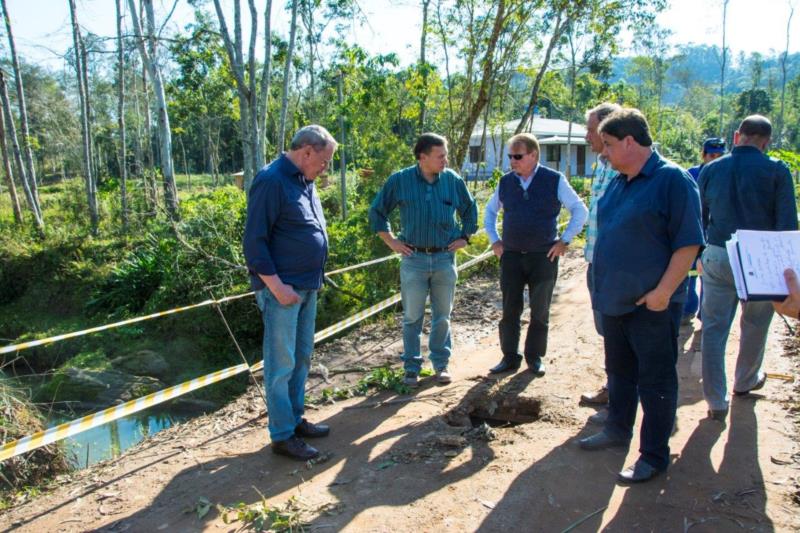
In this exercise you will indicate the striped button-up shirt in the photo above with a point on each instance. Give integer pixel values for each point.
(427, 210)
(603, 175)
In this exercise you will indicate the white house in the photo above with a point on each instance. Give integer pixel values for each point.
(553, 135)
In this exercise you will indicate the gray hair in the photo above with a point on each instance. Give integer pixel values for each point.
(313, 135)
(601, 111)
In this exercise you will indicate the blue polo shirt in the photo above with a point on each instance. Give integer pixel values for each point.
(285, 229)
(641, 223)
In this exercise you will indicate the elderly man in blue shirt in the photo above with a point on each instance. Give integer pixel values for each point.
(285, 247)
(744, 190)
(650, 234)
(531, 196)
(429, 197)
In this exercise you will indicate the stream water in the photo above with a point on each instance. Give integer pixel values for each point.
(110, 440)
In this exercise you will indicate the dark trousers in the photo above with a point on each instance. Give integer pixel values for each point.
(641, 353)
(536, 272)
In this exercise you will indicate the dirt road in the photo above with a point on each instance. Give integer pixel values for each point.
(415, 463)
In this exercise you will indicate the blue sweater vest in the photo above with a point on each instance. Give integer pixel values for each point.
(529, 225)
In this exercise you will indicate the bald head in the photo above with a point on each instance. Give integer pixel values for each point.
(755, 130)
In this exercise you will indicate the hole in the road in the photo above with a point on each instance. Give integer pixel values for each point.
(496, 410)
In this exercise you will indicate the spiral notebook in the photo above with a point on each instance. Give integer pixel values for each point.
(758, 259)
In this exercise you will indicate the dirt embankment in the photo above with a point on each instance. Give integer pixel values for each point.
(427, 462)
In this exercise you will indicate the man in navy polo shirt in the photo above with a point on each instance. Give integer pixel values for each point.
(650, 234)
(744, 190)
(286, 246)
(429, 196)
(531, 197)
(713, 148)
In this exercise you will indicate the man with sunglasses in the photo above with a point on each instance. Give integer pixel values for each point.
(531, 197)
(713, 148)
(429, 196)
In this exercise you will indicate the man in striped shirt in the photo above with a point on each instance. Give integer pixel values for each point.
(603, 174)
(429, 196)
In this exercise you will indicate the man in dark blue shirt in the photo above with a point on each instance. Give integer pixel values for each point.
(713, 148)
(285, 246)
(743, 190)
(649, 220)
(429, 196)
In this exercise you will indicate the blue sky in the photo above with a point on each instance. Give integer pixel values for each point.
(42, 31)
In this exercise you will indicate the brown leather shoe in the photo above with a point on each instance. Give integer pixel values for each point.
(599, 397)
(311, 431)
(295, 448)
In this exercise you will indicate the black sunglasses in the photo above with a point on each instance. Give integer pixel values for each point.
(516, 156)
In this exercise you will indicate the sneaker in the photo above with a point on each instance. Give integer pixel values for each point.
(411, 379)
(599, 397)
(443, 376)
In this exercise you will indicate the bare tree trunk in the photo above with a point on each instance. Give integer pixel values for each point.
(307, 16)
(12, 131)
(12, 189)
(148, 52)
(783, 78)
(123, 166)
(287, 71)
(423, 65)
(342, 157)
(91, 191)
(722, 70)
(23, 110)
(266, 79)
(558, 29)
(444, 34)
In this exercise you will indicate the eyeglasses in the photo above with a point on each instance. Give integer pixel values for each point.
(516, 157)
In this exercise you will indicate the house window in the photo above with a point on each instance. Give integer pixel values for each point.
(476, 154)
(554, 153)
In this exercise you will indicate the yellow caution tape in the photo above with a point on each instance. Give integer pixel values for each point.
(67, 429)
(55, 338)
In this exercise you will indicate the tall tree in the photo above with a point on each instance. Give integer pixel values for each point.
(80, 66)
(722, 69)
(423, 65)
(12, 189)
(287, 72)
(123, 160)
(148, 50)
(246, 83)
(23, 110)
(33, 202)
(784, 58)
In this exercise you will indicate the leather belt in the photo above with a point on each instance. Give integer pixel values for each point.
(426, 250)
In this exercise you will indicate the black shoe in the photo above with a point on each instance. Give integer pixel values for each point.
(718, 414)
(295, 448)
(601, 441)
(506, 365)
(537, 367)
(758, 385)
(311, 431)
(639, 472)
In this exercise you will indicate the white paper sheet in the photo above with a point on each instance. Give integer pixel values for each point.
(762, 257)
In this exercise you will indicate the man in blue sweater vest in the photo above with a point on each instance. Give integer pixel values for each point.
(531, 197)
(285, 247)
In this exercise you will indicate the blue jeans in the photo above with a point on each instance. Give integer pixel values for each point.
(718, 309)
(422, 274)
(641, 353)
(288, 343)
